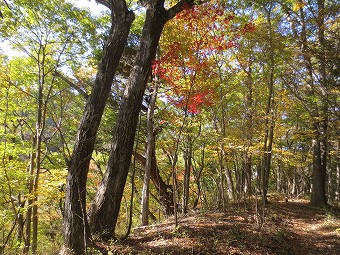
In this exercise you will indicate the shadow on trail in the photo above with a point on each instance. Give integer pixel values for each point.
(292, 228)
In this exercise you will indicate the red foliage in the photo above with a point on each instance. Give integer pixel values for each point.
(249, 27)
(195, 102)
(185, 68)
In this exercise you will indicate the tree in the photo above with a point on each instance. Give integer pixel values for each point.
(247, 105)
(1, 15)
(76, 229)
(106, 205)
(186, 63)
(308, 24)
(41, 32)
(150, 148)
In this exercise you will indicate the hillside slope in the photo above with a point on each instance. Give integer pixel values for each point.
(290, 228)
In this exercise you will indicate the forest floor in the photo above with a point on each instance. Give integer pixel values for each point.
(289, 228)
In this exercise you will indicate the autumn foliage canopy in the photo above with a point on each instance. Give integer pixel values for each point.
(189, 44)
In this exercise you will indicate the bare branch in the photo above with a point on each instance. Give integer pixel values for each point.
(7, 4)
(1, 15)
(73, 85)
(22, 90)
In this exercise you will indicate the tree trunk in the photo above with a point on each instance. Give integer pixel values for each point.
(197, 175)
(279, 177)
(269, 122)
(249, 132)
(318, 196)
(161, 186)
(21, 222)
(220, 185)
(29, 204)
(268, 143)
(35, 192)
(230, 182)
(150, 148)
(187, 170)
(248, 174)
(75, 222)
(105, 208)
(40, 125)
(337, 192)
(35, 163)
(320, 144)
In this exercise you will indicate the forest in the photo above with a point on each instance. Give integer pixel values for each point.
(120, 117)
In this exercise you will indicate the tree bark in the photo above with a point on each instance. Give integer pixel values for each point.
(161, 186)
(230, 183)
(248, 158)
(320, 199)
(220, 185)
(29, 203)
(75, 222)
(320, 125)
(337, 181)
(197, 175)
(35, 162)
(150, 148)
(105, 208)
(187, 171)
(318, 196)
(270, 111)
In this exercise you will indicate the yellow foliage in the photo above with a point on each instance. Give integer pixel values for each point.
(297, 5)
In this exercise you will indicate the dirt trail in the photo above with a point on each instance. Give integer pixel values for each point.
(290, 228)
(318, 229)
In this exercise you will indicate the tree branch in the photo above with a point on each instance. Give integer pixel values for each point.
(1, 15)
(172, 12)
(106, 3)
(73, 85)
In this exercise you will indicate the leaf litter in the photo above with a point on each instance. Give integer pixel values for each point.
(291, 228)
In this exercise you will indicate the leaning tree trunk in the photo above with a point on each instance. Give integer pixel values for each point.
(106, 205)
(75, 221)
